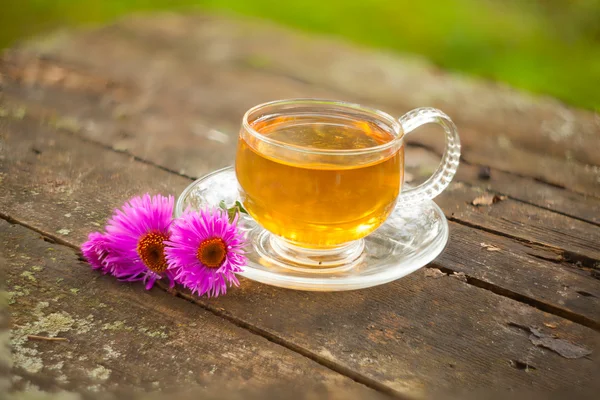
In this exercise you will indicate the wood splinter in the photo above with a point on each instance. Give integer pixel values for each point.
(50, 339)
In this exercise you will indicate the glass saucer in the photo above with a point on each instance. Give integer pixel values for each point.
(412, 237)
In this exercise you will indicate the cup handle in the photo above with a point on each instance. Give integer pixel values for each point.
(449, 164)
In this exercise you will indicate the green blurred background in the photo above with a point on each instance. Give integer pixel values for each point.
(544, 46)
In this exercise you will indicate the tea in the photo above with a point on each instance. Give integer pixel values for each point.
(313, 201)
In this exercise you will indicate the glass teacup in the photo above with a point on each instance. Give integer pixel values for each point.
(320, 175)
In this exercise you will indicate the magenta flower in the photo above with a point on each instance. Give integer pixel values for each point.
(205, 251)
(137, 236)
(96, 251)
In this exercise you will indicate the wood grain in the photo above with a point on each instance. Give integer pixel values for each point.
(537, 275)
(193, 149)
(565, 140)
(123, 339)
(30, 140)
(209, 101)
(523, 221)
(531, 191)
(541, 125)
(416, 336)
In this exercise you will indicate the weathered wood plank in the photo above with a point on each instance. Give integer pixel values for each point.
(204, 98)
(507, 157)
(415, 336)
(539, 124)
(56, 178)
(193, 147)
(498, 119)
(523, 221)
(585, 208)
(193, 88)
(209, 141)
(120, 338)
(521, 269)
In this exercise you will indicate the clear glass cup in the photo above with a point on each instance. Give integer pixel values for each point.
(320, 175)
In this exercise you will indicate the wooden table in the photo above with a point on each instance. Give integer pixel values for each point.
(91, 118)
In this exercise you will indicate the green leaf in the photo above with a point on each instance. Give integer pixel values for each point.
(241, 207)
(232, 211)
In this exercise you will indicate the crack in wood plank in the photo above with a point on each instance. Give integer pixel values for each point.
(574, 259)
(540, 305)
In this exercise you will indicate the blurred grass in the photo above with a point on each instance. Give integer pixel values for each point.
(544, 46)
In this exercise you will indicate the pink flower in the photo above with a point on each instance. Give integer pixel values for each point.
(96, 250)
(205, 251)
(136, 235)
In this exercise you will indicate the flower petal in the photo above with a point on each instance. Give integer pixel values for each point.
(187, 233)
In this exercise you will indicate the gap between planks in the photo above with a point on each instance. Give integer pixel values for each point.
(472, 185)
(540, 305)
(569, 256)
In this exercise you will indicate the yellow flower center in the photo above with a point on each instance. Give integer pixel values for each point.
(152, 251)
(212, 252)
